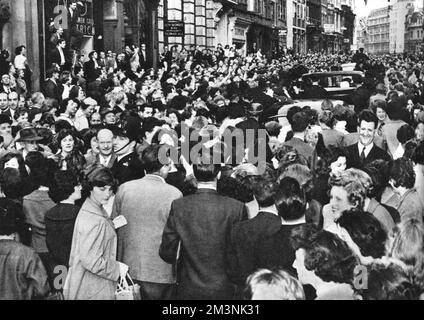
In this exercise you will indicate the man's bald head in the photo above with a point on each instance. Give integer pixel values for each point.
(105, 140)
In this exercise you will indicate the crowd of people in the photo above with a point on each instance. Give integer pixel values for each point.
(95, 178)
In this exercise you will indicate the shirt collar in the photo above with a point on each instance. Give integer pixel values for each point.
(367, 148)
(294, 222)
(156, 176)
(206, 186)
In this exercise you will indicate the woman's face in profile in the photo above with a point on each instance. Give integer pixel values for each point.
(304, 275)
(339, 201)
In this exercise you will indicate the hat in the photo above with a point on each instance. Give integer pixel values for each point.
(131, 130)
(5, 119)
(255, 109)
(29, 134)
(106, 111)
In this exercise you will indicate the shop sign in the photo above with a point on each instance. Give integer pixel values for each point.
(174, 29)
(58, 11)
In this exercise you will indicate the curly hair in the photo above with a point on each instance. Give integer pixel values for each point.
(63, 185)
(331, 258)
(286, 156)
(402, 173)
(366, 231)
(356, 192)
(408, 246)
(290, 199)
(388, 282)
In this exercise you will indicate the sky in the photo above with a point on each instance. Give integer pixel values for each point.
(362, 10)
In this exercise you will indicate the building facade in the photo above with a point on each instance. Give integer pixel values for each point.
(314, 29)
(330, 25)
(102, 24)
(398, 13)
(247, 24)
(414, 32)
(296, 25)
(377, 40)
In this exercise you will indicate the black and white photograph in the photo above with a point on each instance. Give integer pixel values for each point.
(205, 156)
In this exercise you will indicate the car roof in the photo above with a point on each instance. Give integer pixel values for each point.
(335, 73)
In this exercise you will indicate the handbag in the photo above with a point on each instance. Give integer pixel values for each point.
(127, 290)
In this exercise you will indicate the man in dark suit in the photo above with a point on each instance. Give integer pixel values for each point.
(143, 56)
(365, 151)
(200, 226)
(246, 234)
(75, 36)
(58, 55)
(315, 90)
(91, 67)
(51, 87)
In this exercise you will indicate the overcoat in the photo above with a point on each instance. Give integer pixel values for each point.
(93, 269)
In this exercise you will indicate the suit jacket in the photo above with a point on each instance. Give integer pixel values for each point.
(332, 137)
(52, 90)
(128, 168)
(145, 204)
(354, 158)
(202, 223)
(93, 162)
(55, 57)
(243, 237)
(90, 71)
(302, 148)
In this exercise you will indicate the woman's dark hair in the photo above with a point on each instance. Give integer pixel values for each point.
(395, 109)
(87, 136)
(326, 254)
(330, 155)
(388, 282)
(236, 188)
(405, 133)
(418, 155)
(264, 191)
(41, 169)
(63, 185)
(290, 199)
(19, 50)
(403, 174)
(63, 134)
(100, 178)
(48, 119)
(11, 183)
(378, 104)
(366, 231)
(150, 158)
(174, 111)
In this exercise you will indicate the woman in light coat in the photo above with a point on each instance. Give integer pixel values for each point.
(93, 269)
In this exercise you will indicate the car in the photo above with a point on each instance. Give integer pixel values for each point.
(314, 104)
(338, 84)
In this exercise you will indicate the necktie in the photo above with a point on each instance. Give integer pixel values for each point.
(363, 157)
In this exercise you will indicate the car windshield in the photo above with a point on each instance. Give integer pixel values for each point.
(334, 81)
